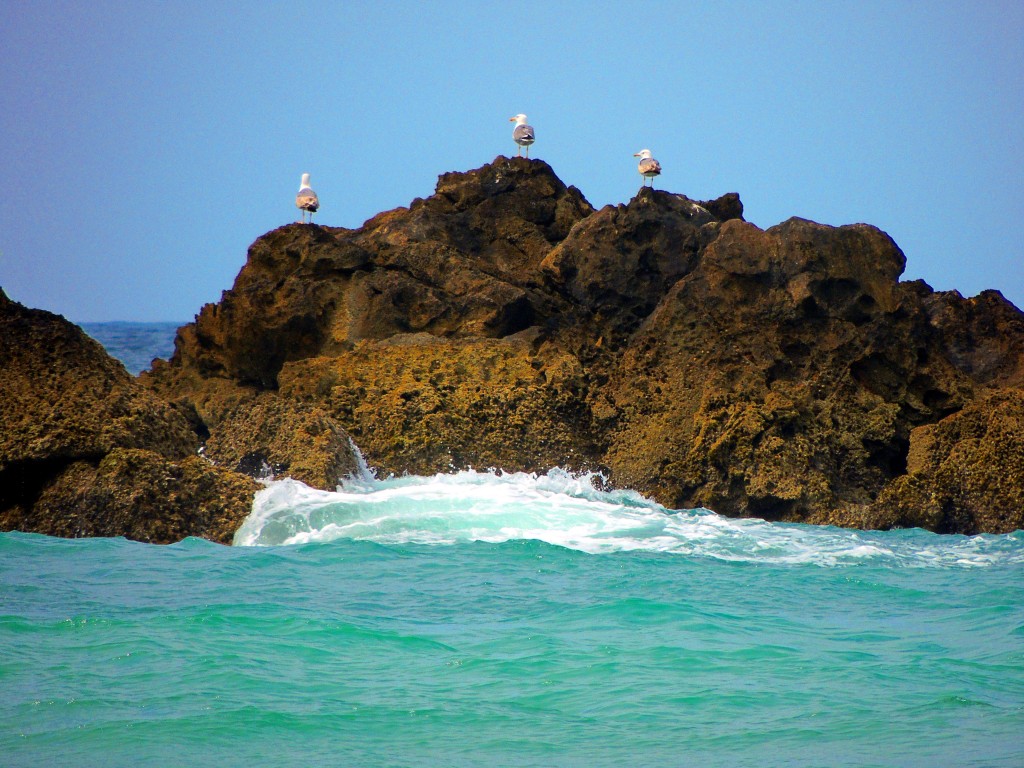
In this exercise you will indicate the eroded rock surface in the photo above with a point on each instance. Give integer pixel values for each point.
(85, 450)
(502, 322)
(782, 373)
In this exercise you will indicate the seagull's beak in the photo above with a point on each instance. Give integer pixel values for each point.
(636, 154)
(511, 119)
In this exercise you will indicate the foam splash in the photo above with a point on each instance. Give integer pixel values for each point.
(573, 511)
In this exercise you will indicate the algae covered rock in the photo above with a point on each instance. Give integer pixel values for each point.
(965, 474)
(86, 450)
(421, 404)
(141, 495)
(783, 373)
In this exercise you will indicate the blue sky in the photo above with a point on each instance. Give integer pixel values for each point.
(146, 145)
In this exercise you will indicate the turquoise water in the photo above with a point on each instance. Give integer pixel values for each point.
(511, 620)
(482, 619)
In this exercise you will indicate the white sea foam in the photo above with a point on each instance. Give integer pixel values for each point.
(572, 510)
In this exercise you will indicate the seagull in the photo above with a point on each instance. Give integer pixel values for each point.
(648, 166)
(522, 134)
(306, 200)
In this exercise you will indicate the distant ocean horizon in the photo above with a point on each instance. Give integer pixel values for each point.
(133, 343)
(490, 618)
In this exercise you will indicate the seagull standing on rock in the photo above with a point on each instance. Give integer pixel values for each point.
(648, 166)
(306, 200)
(522, 134)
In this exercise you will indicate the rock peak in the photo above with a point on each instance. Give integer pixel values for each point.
(724, 208)
(502, 176)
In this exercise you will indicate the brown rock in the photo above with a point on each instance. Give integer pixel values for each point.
(268, 435)
(462, 263)
(140, 495)
(85, 450)
(619, 262)
(965, 474)
(257, 432)
(422, 404)
(784, 373)
(63, 398)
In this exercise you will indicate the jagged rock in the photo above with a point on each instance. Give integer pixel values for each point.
(140, 495)
(781, 377)
(85, 450)
(619, 262)
(269, 436)
(419, 403)
(965, 474)
(982, 336)
(463, 263)
(782, 373)
(62, 398)
(256, 432)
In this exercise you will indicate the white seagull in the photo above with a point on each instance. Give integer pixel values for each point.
(648, 166)
(306, 200)
(522, 134)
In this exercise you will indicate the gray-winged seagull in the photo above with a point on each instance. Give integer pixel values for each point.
(522, 134)
(648, 166)
(306, 200)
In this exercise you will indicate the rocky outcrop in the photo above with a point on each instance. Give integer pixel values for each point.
(421, 404)
(462, 263)
(965, 474)
(85, 450)
(782, 373)
(139, 495)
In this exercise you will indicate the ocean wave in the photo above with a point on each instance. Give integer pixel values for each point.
(575, 511)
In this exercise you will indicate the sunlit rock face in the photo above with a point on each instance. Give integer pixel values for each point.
(503, 322)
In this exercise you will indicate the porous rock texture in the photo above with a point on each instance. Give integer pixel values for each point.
(785, 374)
(85, 450)
(502, 322)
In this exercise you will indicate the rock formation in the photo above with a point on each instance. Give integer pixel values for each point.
(86, 450)
(503, 322)
(782, 373)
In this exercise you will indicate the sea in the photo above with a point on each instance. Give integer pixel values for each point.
(490, 618)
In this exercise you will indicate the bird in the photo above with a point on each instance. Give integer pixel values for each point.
(306, 200)
(648, 166)
(522, 134)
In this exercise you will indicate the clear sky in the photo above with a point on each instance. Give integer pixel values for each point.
(144, 145)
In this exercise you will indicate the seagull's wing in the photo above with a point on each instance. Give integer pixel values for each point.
(523, 134)
(649, 166)
(307, 200)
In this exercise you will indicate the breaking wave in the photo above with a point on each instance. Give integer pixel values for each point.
(574, 511)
